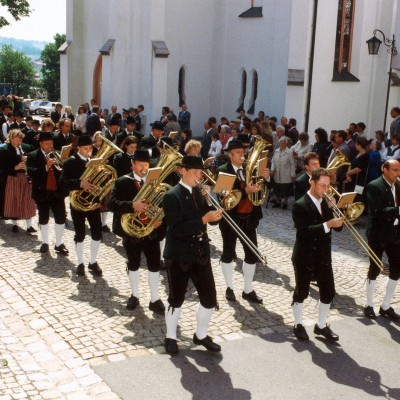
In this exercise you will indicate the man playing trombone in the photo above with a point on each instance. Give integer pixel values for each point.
(313, 220)
(383, 233)
(246, 216)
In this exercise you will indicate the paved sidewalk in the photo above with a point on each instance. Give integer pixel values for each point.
(56, 327)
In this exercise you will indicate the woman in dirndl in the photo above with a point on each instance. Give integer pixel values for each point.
(18, 203)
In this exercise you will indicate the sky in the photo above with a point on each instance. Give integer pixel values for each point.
(47, 18)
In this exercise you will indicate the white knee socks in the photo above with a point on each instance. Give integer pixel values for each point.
(94, 248)
(370, 287)
(79, 252)
(59, 228)
(104, 216)
(171, 320)
(134, 282)
(323, 310)
(227, 269)
(203, 319)
(153, 279)
(390, 288)
(44, 230)
(298, 313)
(248, 275)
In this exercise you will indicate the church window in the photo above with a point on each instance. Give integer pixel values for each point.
(181, 86)
(344, 36)
(254, 86)
(242, 90)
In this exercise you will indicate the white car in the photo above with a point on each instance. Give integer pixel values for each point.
(41, 107)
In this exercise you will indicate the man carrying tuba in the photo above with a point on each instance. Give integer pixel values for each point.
(121, 202)
(246, 216)
(70, 179)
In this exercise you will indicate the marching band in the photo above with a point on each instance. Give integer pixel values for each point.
(177, 205)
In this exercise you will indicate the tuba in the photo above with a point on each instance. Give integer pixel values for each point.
(141, 224)
(101, 175)
(252, 173)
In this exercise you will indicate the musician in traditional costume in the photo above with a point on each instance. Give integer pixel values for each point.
(122, 202)
(187, 254)
(44, 170)
(70, 180)
(247, 216)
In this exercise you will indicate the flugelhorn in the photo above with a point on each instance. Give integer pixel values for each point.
(339, 214)
(233, 225)
(252, 173)
(57, 158)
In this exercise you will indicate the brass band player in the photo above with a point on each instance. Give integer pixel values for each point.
(73, 169)
(247, 217)
(121, 201)
(47, 193)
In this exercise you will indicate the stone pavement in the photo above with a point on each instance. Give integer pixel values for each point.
(55, 327)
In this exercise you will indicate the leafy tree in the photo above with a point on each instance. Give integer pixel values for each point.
(16, 69)
(17, 9)
(51, 67)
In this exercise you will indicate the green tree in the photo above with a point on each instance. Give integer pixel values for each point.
(17, 9)
(51, 67)
(16, 69)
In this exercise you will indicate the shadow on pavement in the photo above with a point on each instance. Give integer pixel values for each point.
(204, 378)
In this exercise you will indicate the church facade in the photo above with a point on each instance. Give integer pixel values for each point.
(305, 59)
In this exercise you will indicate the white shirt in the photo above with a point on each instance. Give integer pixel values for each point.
(215, 148)
(186, 186)
(317, 203)
(139, 179)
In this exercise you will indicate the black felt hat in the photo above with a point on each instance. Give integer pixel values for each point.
(84, 140)
(244, 138)
(235, 144)
(43, 136)
(192, 162)
(116, 120)
(141, 155)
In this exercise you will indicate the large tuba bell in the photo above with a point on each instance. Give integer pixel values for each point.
(140, 224)
(101, 175)
(252, 173)
(340, 160)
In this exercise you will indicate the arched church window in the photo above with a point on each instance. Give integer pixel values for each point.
(344, 35)
(242, 90)
(254, 85)
(181, 86)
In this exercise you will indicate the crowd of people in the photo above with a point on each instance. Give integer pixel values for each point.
(35, 177)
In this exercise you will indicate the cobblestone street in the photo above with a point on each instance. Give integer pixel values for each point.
(55, 326)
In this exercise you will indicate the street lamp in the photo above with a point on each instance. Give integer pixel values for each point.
(373, 48)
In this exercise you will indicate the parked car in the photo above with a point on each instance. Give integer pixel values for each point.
(43, 107)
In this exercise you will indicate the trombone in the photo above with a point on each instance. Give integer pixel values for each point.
(233, 225)
(353, 211)
(339, 214)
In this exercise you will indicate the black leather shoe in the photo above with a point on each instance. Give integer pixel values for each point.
(133, 302)
(31, 230)
(95, 269)
(300, 332)
(230, 295)
(277, 205)
(252, 296)
(106, 229)
(44, 248)
(171, 346)
(80, 270)
(369, 312)
(284, 206)
(326, 332)
(157, 307)
(207, 342)
(61, 249)
(389, 313)
(14, 229)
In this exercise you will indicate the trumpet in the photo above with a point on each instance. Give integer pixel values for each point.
(233, 225)
(57, 158)
(339, 214)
